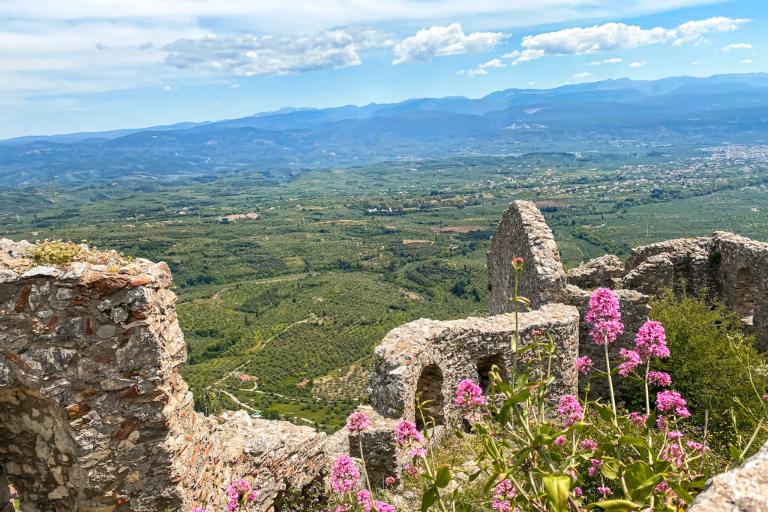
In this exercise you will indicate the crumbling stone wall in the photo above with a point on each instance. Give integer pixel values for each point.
(94, 415)
(523, 233)
(456, 348)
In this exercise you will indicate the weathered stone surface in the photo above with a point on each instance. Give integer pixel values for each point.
(681, 264)
(744, 489)
(523, 233)
(429, 357)
(93, 413)
(605, 271)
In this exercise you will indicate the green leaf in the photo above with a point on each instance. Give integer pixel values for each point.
(615, 505)
(518, 397)
(605, 412)
(633, 441)
(557, 488)
(429, 499)
(610, 469)
(681, 493)
(443, 477)
(734, 452)
(640, 480)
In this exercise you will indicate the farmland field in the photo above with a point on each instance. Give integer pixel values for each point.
(294, 296)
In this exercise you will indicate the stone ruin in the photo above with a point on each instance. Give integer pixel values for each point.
(95, 417)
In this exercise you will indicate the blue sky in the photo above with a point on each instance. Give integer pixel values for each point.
(82, 65)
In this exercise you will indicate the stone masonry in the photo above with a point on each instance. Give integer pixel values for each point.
(94, 415)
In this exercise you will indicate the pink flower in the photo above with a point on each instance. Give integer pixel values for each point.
(631, 361)
(345, 476)
(674, 435)
(411, 469)
(390, 481)
(341, 508)
(358, 422)
(239, 492)
(606, 331)
(417, 451)
(468, 394)
(577, 491)
(406, 431)
(589, 444)
(364, 500)
(503, 494)
(695, 446)
(651, 341)
(605, 316)
(671, 402)
(637, 419)
(661, 422)
(594, 466)
(603, 305)
(605, 491)
(660, 379)
(583, 364)
(673, 453)
(560, 440)
(384, 507)
(570, 410)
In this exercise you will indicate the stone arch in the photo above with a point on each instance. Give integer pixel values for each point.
(37, 451)
(429, 393)
(484, 366)
(744, 294)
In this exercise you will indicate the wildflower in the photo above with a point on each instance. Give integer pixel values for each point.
(384, 507)
(560, 440)
(674, 435)
(503, 494)
(637, 419)
(672, 402)
(417, 451)
(589, 444)
(695, 446)
(583, 364)
(358, 422)
(605, 491)
(345, 476)
(406, 431)
(468, 394)
(341, 508)
(603, 305)
(518, 263)
(661, 422)
(594, 466)
(570, 410)
(411, 469)
(577, 492)
(660, 379)
(631, 361)
(364, 500)
(673, 453)
(390, 481)
(662, 487)
(606, 331)
(238, 492)
(651, 341)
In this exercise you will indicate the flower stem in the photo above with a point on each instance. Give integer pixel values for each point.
(610, 382)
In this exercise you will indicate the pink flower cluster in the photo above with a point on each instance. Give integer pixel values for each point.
(503, 494)
(589, 444)
(605, 316)
(344, 476)
(661, 379)
(651, 341)
(358, 422)
(570, 410)
(638, 419)
(631, 360)
(594, 467)
(365, 500)
(671, 402)
(240, 492)
(406, 432)
(468, 394)
(584, 364)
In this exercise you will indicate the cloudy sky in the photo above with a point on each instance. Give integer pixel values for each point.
(77, 65)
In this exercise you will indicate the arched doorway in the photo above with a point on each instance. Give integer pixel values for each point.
(484, 366)
(744, 293)
(429, 395)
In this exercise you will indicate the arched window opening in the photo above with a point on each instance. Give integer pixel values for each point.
(429, 394)
(744, 294)
(484, 366)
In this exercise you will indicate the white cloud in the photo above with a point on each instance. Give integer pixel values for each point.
(440, 41)
(581, 75)
(252, 55)
(736, 46)
(168, 88)
(612, 60)
(616, 36)
(483, 68)
(638, 64)
(746, 61)
(694, 31)
(695, 62)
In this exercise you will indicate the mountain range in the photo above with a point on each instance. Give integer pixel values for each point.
(610, 116)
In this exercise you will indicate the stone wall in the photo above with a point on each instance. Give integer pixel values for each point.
(445, 352)
(524, 233)
(94, 415)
